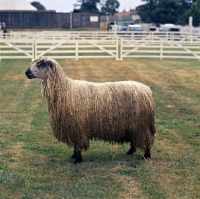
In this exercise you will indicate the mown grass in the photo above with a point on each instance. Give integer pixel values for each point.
(33, 164)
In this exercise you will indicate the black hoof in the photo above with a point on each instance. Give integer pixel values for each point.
(78, 160)
(131, 151)
(147, 154)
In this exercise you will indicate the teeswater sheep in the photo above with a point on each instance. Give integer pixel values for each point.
(118, 112)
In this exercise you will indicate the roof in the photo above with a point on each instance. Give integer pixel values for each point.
(15, 5)
(116, 18)
(126, 13)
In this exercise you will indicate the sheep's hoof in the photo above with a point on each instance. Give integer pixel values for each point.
(78, 160)
(147, 154)
(78, 157)
(131, 151)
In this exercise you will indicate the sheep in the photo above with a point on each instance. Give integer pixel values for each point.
(118, 112)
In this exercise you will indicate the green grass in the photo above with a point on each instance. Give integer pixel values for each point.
(33, 164)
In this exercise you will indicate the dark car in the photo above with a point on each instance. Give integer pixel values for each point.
(127, 23)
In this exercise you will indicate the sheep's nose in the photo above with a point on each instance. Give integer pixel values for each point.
(29, 74)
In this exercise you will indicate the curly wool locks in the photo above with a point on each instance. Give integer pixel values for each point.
(118, 112)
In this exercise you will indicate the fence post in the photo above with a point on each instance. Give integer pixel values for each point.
(190, 27)
(121, 49)
(117, 47)
(33, 49)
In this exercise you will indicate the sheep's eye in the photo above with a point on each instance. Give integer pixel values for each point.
(41, 64)
(48, 62)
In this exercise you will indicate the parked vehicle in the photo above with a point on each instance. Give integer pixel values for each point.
(127, 23)
(175, 31)
(152, 28)
(124, 27)
(110, 25)
(135, 27)
(169, 28)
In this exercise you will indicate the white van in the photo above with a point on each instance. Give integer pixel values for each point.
(135, 27)
(169, 28)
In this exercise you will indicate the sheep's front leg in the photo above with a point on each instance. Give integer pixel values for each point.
(131, 151)
(78, 156)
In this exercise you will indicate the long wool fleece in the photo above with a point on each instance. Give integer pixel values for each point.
(119, 112)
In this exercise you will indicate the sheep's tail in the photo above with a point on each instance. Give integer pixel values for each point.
(153, 127)
(153, 119)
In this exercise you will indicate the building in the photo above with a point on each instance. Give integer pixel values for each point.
(21, 14)
(15, 5)
(133, 13)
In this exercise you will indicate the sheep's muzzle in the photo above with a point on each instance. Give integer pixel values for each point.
(29, 74)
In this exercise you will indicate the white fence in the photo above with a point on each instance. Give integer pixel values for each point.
(161, 45)
(117, 45)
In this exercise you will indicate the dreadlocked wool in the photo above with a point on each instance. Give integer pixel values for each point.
(117, 112)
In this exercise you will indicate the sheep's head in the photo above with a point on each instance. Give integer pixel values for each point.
(39, 68)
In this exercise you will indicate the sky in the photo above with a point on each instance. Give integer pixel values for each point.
(67, 5)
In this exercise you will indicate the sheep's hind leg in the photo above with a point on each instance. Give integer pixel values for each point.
(131, 151)
(147, 153)
(78, 157)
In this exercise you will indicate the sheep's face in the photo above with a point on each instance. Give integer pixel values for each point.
(39, 68)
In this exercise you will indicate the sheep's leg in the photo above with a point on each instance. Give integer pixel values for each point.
(131, 151)
(147, 153)
(78, 158)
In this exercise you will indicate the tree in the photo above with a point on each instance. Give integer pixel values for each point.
(38, 5)
(87, 5)
(165, 11)
(110, 7)
(195, 13)
(146, 11)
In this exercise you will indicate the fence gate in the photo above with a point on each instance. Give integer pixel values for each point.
(16, 49)
(160, 46)
(77, 47)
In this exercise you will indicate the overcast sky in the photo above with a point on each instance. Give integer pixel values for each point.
(67, 5)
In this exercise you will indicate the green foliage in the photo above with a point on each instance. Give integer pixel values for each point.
(87, 5)
(195, 12)
(169, 11)
(38, 5)
(110, 7)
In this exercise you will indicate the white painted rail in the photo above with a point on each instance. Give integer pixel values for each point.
(117, 45)
(80, 48)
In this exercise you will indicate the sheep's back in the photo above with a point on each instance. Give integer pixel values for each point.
(111, 110)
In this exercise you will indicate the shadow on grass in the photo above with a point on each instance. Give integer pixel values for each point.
(99, 153)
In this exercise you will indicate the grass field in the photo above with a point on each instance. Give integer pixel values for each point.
(33, 164)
